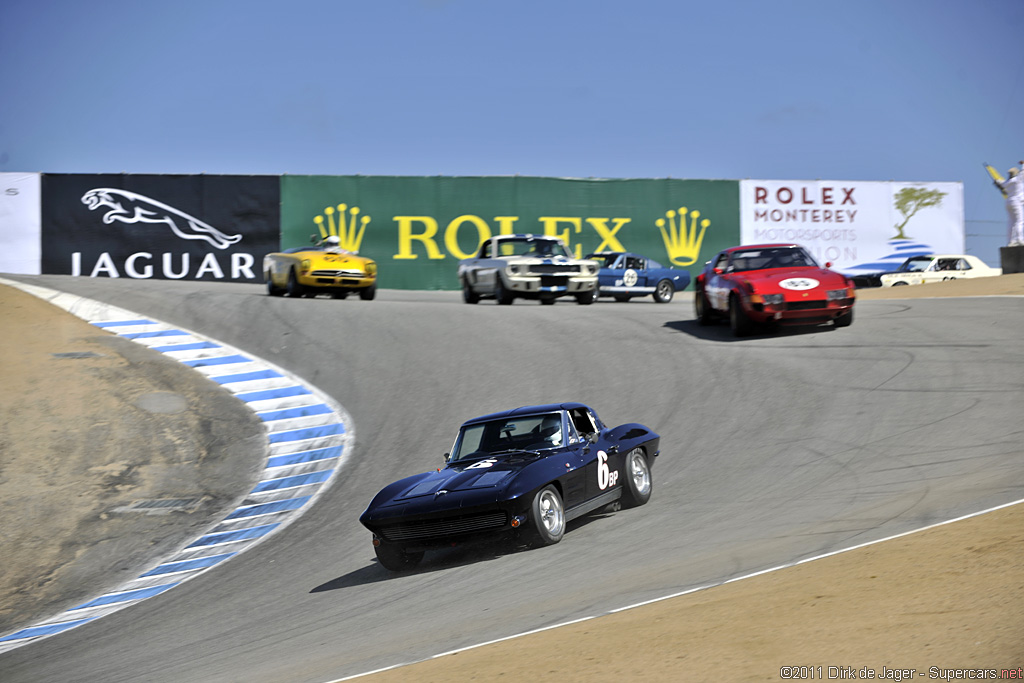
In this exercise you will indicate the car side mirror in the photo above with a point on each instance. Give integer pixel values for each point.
(718, 271)
(828, 264)
(447, 457)
(592, 437)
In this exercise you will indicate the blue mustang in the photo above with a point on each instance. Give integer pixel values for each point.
(625, 275)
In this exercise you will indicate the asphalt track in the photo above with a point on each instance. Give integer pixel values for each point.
(775, 448)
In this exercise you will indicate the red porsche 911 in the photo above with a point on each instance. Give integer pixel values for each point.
(761, 284)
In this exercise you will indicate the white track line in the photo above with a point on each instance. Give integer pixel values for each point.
(680, 593)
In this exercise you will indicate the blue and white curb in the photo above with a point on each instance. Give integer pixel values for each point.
(308, 434)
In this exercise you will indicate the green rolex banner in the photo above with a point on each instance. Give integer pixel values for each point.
(417, 229)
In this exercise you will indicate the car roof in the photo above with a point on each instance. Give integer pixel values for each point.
(615, 253)
(528, 236)
(526, 410)
(762, 246)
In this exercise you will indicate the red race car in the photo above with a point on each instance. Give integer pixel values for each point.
(771, 283)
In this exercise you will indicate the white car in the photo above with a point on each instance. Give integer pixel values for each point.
(528, 267)
(918, 270)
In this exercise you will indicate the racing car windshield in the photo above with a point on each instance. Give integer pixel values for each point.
(915, 264)
(520, 433)
(772, 257)
(540, 247)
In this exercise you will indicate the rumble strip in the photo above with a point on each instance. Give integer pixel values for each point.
(308, 438)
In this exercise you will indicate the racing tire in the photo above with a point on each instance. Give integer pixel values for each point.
(845, 320)
(503, 296)
(738, 320)
(636, 490)
(548, 516)
(586, 298)
(272, 289)
(702, 307)
(395, 559)
(295, 290)
(368, 293)
(547, 301)
(468, 295)
(622, 298)
(663, 291)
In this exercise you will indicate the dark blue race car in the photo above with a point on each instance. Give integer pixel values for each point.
(523, 472)
(625, 276)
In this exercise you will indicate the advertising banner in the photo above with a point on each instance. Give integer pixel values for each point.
(19, 223)
(856, 226)
(418, 228)
(159, 226)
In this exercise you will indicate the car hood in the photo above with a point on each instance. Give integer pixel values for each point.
(491, 473)
(793, 280)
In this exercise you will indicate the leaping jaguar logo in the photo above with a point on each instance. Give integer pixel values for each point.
(128, 207)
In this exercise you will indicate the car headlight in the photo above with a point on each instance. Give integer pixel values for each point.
(514, 270)
(371, 268)
(837, 294)
(773, 299)
(305, 264)
(591, 269)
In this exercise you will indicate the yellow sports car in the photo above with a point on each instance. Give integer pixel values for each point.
(324, 268)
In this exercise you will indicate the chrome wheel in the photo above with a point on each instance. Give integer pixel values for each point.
(548, 516)
(639, 483)
(664, 291)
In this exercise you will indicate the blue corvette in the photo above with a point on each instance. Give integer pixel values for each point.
(625, 276)
(524, 472)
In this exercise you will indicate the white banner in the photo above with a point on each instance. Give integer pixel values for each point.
(856, 226)
(20, 223)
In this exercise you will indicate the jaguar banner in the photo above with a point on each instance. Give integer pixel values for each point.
(191, 227)
(856, 226)
(418, 228)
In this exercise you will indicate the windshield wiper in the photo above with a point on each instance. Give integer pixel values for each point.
(515, 450)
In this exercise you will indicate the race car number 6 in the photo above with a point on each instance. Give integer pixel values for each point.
(605, 476)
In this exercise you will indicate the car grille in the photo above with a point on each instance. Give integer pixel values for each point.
(337, 273)
(440, 528)
(549, 268)
(553, 281)
(805, 305)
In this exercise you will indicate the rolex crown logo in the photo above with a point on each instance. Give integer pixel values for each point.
(349, 230)
(682, 243)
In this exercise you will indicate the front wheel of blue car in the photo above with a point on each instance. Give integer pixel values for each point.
(548, 516)
(639, 484)
(394, 558)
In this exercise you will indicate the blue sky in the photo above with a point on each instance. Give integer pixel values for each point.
(909, 90)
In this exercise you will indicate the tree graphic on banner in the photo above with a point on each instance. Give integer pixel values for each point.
(910, 200)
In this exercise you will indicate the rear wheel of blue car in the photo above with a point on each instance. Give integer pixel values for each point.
(394, 558)
(548, 516)
(664, 291)
(638, 484)
(586, 298)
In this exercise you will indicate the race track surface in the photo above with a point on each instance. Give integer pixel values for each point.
(774, 448)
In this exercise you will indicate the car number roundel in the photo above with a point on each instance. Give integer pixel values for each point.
(799, 284)
(630, 277)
